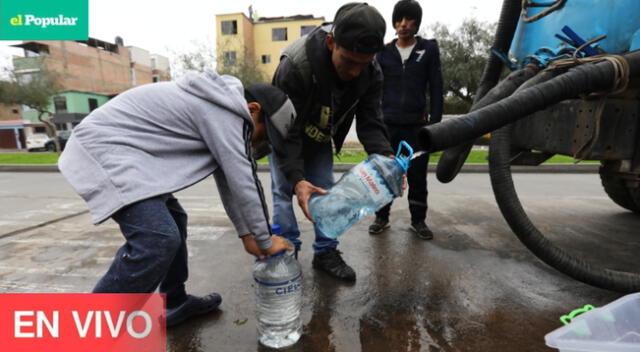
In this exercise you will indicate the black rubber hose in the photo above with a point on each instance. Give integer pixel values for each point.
(452, 159)
(532, 238)
(509, 15)
(586, 78)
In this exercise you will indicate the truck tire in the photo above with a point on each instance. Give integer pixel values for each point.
(614, 185)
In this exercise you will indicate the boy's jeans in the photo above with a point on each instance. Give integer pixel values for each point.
(155, 252)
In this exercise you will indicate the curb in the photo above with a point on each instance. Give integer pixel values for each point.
(342, 167)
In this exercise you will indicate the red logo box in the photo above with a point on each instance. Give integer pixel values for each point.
(82, 322)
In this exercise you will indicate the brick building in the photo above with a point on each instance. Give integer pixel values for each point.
(89, 72)
(93, 65)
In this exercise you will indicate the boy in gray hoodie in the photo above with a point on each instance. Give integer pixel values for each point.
(127, 158)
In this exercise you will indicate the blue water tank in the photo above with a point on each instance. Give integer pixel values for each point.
(618, 19)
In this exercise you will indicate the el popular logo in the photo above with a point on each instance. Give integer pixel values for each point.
(44, 20)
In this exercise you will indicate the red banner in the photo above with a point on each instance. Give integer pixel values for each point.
(82, 322)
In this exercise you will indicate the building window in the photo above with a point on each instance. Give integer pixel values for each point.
(155, 78)
(229, 58)
(60, 104)
(266, 59)
(304, 30)
(279, 34)
(93, 104)
(15, 111)
(229, 27)
(26, 78)
(153, 63)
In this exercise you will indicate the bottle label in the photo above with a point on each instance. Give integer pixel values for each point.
(370, 180)
(281, 288)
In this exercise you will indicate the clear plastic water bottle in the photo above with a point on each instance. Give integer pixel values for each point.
(278, 298)
(361, 191)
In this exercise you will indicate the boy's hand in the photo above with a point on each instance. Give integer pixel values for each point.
(278, 244)
(304, 190)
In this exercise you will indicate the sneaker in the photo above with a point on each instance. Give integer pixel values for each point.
(192, 307)
(422, 230)
(332, 263)
(379, 224)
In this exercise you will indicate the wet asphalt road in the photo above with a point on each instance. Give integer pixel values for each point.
(473, 288)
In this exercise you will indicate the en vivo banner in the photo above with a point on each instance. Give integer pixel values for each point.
(82, 322)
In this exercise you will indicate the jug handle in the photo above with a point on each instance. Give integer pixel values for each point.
(401, 159)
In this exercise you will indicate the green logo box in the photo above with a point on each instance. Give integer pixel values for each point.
(44, 20)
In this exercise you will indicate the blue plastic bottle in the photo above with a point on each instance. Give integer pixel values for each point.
(360, 192)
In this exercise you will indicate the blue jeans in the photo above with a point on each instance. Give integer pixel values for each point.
(155, 252)
(318, 169)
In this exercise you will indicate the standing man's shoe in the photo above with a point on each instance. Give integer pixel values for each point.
(422, 230)
(379, 224)
(332, 263)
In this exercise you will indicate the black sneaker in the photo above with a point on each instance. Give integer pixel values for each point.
(332, 263)
(379, 224)
(422, 230)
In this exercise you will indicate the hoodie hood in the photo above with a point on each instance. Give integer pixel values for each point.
(225, 91)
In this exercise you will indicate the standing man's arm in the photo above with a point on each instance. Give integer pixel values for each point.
(435, 86)
(370, 127)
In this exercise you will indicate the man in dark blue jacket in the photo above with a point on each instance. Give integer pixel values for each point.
(411, 67)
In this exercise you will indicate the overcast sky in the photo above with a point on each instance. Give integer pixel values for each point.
(164, 29)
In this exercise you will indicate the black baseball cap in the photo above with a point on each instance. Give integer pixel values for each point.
(359, 28)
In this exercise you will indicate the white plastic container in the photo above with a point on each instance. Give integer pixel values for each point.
(612, 328)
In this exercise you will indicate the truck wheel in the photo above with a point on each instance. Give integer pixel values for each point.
(617, 190)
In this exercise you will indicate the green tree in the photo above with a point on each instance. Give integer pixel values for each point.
(463, 54)
(201, 57)
(246, 68)
(35, 90)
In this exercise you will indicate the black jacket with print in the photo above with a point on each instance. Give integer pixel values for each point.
(326, 106)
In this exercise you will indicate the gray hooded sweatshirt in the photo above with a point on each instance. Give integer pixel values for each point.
(160, 138)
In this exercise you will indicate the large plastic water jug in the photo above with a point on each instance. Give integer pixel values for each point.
(361, 191)
(278, 298)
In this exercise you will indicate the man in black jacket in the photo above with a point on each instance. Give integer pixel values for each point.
(330, 77)
(411, 66)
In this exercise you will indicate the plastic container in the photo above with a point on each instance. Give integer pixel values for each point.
(278, 299)
(364, 189)
(612, 328)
